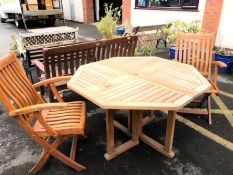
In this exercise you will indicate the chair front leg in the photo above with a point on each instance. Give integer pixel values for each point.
(51, 149)
(45, 155)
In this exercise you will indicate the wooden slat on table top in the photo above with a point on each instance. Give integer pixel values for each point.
(138, 83)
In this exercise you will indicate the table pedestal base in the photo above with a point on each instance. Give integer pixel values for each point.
(135, 132)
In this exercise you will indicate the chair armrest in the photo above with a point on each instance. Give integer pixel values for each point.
(51, 80)
(219, 64)
(38, 64)
(216, 64)
(37, 108)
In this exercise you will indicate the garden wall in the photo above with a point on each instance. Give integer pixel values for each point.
(225, 33)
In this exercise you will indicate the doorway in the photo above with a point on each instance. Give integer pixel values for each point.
(99, 7)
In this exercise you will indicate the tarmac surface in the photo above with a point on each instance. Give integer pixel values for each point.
(200, 149)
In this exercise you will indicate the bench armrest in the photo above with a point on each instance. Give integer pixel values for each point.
(38, 64)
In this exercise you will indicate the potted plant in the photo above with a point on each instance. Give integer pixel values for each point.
(175, 27)
(224, 55)
(108, 24)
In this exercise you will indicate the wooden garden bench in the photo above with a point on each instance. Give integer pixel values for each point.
(36, 53)
(150, 33)
(66, 59)
(31, 43)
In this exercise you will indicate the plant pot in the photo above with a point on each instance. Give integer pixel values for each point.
(228, 60)
(120, 30)
(172, 51)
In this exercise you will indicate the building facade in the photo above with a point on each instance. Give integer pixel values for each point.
(215, 15)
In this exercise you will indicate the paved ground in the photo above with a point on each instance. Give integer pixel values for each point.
(200, 149)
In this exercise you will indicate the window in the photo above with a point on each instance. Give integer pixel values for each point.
(166, 4)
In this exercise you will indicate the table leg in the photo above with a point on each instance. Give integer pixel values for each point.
(137, 122)
(111, 150)
(165, 149)
(109, 131)
(136, 125)
(129, 121)
(145, 120)
(171, 119)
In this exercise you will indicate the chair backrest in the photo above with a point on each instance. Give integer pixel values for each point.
(196, 50)
(16, 90)
(65, 60)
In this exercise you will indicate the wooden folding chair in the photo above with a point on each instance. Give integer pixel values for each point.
(196, 50)
(48, 124)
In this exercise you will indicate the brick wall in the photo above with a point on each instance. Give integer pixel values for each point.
(88, 11)
(126, 10)
(212, 15)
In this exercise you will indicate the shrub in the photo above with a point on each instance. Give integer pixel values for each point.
(107, 24)
(175, 27)
(145, 47)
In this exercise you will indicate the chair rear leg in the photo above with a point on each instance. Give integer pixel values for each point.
(66, 160)
(209, 109)
(73, 147)
(63, 158)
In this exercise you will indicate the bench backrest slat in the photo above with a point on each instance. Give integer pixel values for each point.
(65, 60)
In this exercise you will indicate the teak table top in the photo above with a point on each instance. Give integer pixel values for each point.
(141, 83)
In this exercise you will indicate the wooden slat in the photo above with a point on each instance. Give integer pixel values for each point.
(199, 51)
(71, 63)
(202, 61)
(198, 43)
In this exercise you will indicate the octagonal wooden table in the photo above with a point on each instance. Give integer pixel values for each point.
(137, 84)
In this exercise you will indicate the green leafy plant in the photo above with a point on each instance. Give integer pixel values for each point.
(14, 45)
(107, 24)
(145, 47)
(175, 27)
(145, 51)
(224, 51)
